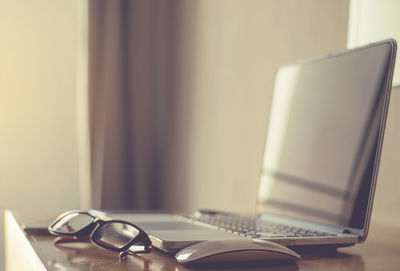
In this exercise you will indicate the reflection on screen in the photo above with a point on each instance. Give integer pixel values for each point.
(323, 135)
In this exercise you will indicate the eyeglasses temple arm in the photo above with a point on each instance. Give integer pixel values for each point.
(72, 239)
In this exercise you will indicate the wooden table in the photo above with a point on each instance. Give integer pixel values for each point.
(381, 251)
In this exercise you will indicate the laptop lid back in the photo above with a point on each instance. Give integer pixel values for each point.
(325, 137)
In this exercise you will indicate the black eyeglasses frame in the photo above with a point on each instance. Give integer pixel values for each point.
(95, 225)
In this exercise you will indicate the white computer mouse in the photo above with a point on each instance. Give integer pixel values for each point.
(235, 250)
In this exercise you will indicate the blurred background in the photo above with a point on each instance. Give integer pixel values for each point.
(161, 104)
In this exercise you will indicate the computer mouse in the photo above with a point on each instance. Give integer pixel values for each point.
(235, 250)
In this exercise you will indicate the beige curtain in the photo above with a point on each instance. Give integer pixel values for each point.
(130, 93)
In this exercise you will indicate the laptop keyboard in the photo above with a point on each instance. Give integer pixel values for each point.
(255, 228)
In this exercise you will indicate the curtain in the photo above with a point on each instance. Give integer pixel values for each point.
(129, 101)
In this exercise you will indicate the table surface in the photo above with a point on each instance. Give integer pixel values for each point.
(381, 251)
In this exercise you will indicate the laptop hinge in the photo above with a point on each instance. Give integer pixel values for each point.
(357, 232)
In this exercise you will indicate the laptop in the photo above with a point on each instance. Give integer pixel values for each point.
(321, 159)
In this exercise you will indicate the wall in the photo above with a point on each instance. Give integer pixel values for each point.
(231, 51)
(38, 160)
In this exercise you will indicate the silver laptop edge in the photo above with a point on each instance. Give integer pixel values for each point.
(364, 232)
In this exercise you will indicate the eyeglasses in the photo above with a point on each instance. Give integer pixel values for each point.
(116, 235)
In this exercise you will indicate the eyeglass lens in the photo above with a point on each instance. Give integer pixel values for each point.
(72, 222)
(115, 234)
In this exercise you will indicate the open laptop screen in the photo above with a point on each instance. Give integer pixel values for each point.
(325, 135)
